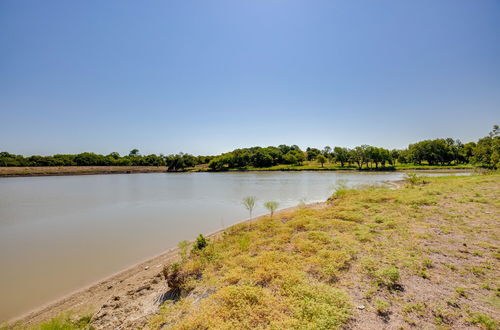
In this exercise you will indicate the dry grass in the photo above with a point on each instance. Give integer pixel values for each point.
(423, 256)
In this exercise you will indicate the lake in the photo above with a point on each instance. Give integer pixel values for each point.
(60, 233)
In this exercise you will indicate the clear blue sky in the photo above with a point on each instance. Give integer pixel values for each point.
(208, 76)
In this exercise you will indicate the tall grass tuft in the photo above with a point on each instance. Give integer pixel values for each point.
(340, 189)
(66, 322)
(414, 179)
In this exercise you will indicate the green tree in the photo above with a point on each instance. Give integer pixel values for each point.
(134, 153)
(321, 159)
(437, 151)
(179, 162)
(312, 153)
(467, 152)
(394, 156)
(299, 155)
(289, 158)
(360, 156)
(385, 156)
(487, 150)
(341, 155)
(327, 150)
(114, 155)
(372, 155)
(262, 158)
(217, 163)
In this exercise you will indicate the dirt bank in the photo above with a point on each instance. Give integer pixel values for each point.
(77, 170)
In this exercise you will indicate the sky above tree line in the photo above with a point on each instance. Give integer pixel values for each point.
(206, 77)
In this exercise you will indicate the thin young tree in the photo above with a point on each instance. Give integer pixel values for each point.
(249, 203)
(271, 206)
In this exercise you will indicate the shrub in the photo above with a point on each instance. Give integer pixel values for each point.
(484, 320)
(443, 315)
(461, 292)
(388, 277)
(423, 273)
(478, 271)
(382, 307)
(200, 243)
(414, 179)
(321, 307)
(418, 308)
(65, 322)
(173, 276)
(427, 263)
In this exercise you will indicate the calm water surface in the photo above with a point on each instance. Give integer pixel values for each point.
(58, 234)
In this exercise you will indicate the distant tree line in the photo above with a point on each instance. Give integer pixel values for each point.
(485, 153)
(134, 158)
(362, 156)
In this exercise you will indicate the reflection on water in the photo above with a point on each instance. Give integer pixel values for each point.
(60, 233)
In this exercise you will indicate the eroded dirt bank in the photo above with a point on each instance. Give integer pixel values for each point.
(77, 170)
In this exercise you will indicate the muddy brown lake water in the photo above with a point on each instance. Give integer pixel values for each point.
(58, 234)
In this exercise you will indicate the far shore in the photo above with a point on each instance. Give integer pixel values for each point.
(77, 170)
(132, 279)
(94, 170)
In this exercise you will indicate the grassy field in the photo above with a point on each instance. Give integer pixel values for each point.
(424, 256)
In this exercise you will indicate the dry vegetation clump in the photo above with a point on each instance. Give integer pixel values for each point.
(423, 256)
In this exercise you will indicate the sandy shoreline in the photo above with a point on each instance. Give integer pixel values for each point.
(129, 282)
